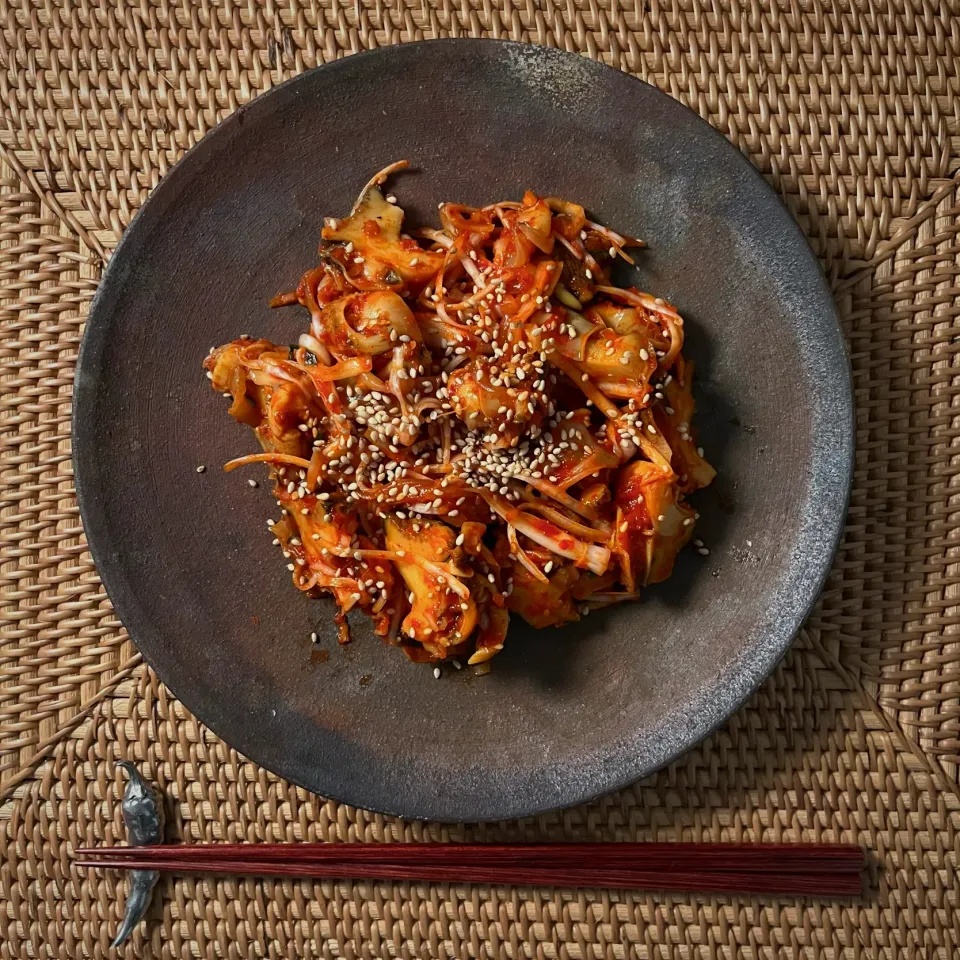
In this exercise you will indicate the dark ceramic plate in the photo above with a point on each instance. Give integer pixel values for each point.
(186, 557)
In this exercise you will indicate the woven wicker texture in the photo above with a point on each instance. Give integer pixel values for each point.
(852, 111)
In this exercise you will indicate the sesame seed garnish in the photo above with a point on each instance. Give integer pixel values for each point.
(201, 468)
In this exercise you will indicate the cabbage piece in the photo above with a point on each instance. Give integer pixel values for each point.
(365, 324)
(651, 525)
(694, 472)
(621, 364)
(536, 222)
(322, 529)
(544, 604)
(437, 619)
(228, 374)
(577, 453)
(321, 543)
(493, 622)
(630, 319)
(378, 256)
(568, 218)
(481, 405)
(513, 248)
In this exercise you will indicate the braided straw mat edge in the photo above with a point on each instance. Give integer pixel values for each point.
(850, 109)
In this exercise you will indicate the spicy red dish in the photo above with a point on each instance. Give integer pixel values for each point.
(476, 422)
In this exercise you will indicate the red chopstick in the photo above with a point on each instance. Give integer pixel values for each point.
(769, 857)
(792, 869)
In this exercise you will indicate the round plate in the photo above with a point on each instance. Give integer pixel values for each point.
(186, 557)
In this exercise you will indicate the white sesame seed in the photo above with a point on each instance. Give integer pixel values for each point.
(201, 468)
(436, 670)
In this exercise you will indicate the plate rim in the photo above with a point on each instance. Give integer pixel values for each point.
(835, 484)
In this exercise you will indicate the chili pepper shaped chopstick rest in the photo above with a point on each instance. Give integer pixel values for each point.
(142, 809)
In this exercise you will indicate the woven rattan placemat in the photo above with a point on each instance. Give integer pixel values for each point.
(850, 108)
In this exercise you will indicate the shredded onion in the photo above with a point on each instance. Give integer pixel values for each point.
(589, 389)
(573, 250)
(551, 490)
(266, 458)
(475, 275)
(593, 558)
(311, 343)
(522, 555)
(571, 526)
(448, 572)
(343, 369)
